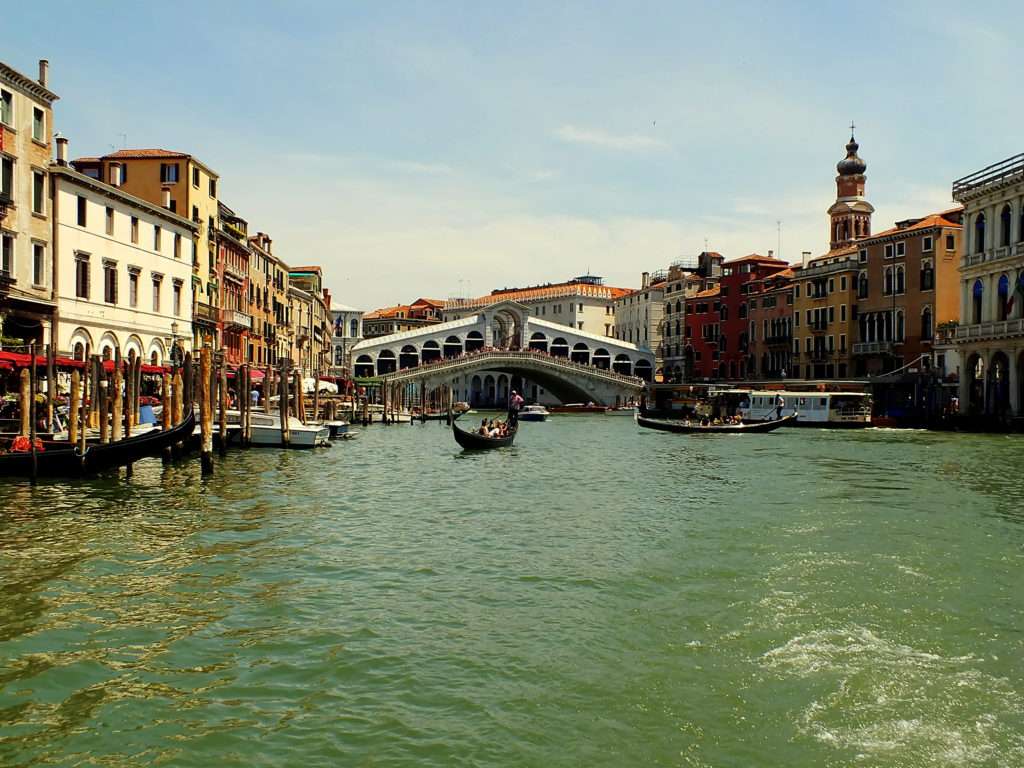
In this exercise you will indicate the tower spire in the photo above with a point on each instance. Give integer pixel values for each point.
(850, 214)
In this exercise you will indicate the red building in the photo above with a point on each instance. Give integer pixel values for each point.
(232, 269)
(718, 320)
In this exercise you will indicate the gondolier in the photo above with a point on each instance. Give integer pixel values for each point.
(514, 404)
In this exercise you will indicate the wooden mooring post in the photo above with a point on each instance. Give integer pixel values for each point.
(222, 403)
(166, 414)
(75, 402)
(206, 412)
(283, 398)
(177, 404)
(32, 387)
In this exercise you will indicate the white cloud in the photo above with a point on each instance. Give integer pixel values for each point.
(633, 142)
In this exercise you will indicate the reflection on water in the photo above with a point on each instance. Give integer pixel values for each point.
(593, 595)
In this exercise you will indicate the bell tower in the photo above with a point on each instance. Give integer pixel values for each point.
(850, 214)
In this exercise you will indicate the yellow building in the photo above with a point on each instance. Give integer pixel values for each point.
(27, 307)
(180, 182)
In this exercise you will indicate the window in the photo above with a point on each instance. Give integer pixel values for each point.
(177, 245)
(110, 282)
(133, 287)
(7, 177)
(863, 255)
(888, 251)
(176, 293)
(927, 275)
(862, 285)
(842, 342)
(6, 107)
(831, 285)
(82, 275)
(797, 288)
(842, 283)
(579, 308)
(195, 177)
(38, 264)
(901, 249)
(157, 280)
(888, 281)
(926, 244)
(82, 211)
(156, 237)
(7, 253)
(900, 280)
(842, 313)
(38, 192)
(213, 187)
(110, 220)
(38, 124)
(950, 243)
(832, 314)
(927, 332)
(169, 173)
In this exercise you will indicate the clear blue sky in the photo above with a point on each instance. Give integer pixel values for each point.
(440, 149)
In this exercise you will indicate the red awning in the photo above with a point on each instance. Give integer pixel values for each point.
(9, 360)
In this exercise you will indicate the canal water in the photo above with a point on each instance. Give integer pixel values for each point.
(594, 596)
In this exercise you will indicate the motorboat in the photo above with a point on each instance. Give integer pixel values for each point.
(533, 413)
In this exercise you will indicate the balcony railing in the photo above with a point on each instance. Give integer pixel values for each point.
(206, 312)
(872, 348)
(1005, 169)
(998, 329)
(992, 254)
(820, 355)
(818, 325)
(781, 338)
(236, 319)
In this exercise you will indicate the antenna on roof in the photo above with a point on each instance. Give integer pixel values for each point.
(778, 226)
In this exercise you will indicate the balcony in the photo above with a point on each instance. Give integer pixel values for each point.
(782, 338)
(234, 273)
(992, 255)
(997, 329)
(872, 348)
(820, 355)
(817, 325)
(206, 313)
(232, 318)
(5, 201)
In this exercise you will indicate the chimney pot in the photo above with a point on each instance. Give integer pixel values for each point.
(805, 256)
(62, 150)
(771, 254)
(44, 71)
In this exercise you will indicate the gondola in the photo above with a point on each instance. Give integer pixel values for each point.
(63, 459)
(666, 425)
(474, 442)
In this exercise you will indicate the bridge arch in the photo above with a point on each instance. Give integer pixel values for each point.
(601, 359)
(559, 348)
(474, 341)
(643, 369)
(363, 367)
(452, 346)
(386, 362)
(580, 353)
(409, 357)
(623, 365)
(431, 351)
(539, 341)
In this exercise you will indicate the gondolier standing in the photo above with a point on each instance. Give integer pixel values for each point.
(514, 404)
(780, 402)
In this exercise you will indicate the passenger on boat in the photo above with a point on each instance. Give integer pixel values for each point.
(484, 430)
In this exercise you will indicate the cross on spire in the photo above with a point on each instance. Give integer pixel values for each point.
(852, 126)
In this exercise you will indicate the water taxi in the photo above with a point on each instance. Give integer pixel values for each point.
(816, 409)
(533, 413)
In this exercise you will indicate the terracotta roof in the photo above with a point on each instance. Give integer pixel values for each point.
(754, 257)
(305, 269)
(708, 293)
(86, 160)
(541, 292)
(140, 153)
(928, 222)
(843, 250)
(385, 312)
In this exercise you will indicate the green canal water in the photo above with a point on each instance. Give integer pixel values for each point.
(594, 596)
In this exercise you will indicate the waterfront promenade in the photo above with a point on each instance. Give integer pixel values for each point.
(596, 596)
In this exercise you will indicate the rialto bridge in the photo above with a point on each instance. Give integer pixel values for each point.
(486, 355)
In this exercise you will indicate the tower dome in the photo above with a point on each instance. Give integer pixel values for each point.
(851, 165)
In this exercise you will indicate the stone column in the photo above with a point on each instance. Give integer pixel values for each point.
(1013, 382)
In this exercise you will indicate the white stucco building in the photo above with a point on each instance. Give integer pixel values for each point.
(347, 324)
(124, 269)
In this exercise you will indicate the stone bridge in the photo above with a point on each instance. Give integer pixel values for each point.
(502, 347)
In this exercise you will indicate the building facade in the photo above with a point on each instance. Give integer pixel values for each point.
(124, 272)
(186, 186)
(638, 315)
(313, 327)
(824, 315)
(907, 285)
(990, 335)
(686, 278)
(770, 319)
(234, 322)
(402, 317)
(27, 266)
(347, 324)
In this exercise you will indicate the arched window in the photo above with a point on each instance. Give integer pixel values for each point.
(899, 326)
(79, 353)
(668, 307)
(927, 275)
(978, 293)
(927, 331)
(901, 280)
(353, 327)
(888, 281)
(979, 233)
(679, 307)
(1004, 297)
(1004, 225)
(862, 285)
(154, 359)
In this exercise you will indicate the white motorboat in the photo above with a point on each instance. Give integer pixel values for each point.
(533, 413)
(266, 430)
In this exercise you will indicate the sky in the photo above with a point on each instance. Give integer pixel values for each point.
(447, 149)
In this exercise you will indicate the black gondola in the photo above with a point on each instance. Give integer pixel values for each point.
(64, 460)
(471, 441)
(666, 425)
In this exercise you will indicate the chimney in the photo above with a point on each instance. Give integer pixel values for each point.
(771, 254)
(645, 280)
(62, 150)
(805, 256)
(115, 174)
(166, 195)
(44, 71)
